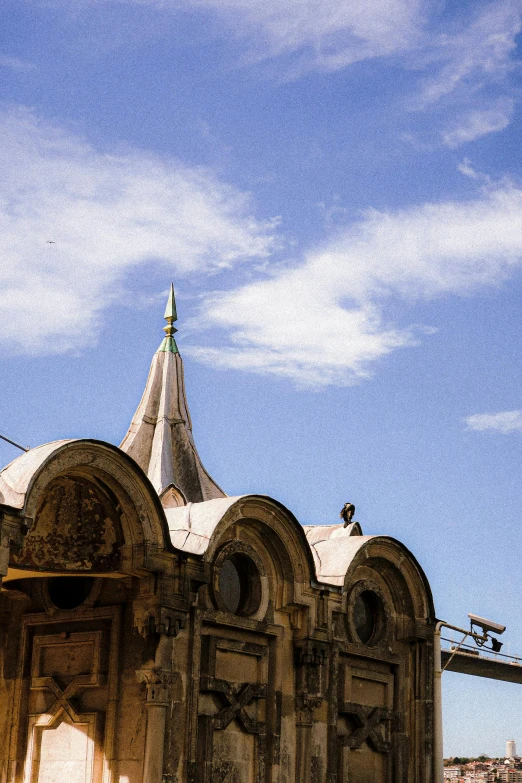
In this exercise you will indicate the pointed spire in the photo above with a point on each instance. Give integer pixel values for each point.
(160, 438)
(169, 343)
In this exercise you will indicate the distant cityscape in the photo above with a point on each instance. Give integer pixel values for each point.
(506, 769)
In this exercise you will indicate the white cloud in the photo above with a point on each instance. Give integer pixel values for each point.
(481, 53)
(324, 321)
(479, 123)
(106, 214)
(504, 422)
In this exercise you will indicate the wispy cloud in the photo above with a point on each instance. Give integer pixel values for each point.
(316, 35)
(459, 64)
(15, 64)
(75, 220)
(480, 122)
(320, 319)
(466, 81)
(504, 422)
(480, 53)
(323, 321)
(324, 34)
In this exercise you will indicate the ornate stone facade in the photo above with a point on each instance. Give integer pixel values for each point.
(154, 630)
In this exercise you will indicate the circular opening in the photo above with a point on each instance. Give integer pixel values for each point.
(239, 585)
(368, 617)
(69, 592)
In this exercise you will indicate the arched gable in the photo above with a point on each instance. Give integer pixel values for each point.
(393, 563)
(200, 528)
(86, 505)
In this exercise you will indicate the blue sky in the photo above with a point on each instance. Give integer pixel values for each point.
(336, 189)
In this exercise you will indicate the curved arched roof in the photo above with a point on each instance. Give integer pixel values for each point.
(330, 549)
(191, 526)
(16, 477)
(333, 549)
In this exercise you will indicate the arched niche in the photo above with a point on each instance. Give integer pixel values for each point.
(89, 507)
(272, 531)
(384, 567)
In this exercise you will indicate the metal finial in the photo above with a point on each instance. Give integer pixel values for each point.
(169, 343)
(170, 310)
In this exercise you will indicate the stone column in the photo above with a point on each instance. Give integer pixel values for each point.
(158, 683)
(305, 707)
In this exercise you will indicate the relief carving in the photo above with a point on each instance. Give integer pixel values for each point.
(63, 739)
(76, 527)
(369, 722)
(236, 696)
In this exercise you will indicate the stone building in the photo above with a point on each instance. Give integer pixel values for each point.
(155, 630)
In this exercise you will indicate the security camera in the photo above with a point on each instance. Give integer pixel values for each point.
(488, 626)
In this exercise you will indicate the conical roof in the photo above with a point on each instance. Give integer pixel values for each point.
(160, 438)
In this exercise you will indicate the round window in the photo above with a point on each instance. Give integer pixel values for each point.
(368, 617)
(239, 585)
(69, 592)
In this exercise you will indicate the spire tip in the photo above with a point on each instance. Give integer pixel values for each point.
(171, 315)
(170, 310)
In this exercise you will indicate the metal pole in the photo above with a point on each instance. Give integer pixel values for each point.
(437, 707)
(12, 442)
(437, 695)
(480, 639)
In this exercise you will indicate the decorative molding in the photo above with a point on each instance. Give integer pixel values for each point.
(158, 684)
(311, 657)
(311, 652)
(305, 706)
(157, 620)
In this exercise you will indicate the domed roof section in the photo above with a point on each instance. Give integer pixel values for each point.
(16, 477)
(191, 526)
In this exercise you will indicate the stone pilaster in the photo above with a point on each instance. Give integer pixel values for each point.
(11, 537)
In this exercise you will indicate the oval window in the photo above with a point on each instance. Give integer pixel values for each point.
(368, 617)
(239, 585)
(69, 592)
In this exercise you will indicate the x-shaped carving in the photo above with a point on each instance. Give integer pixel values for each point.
(368, 721)
(63, 696)
(236, 697)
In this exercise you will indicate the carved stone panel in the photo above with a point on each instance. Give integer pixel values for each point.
(68, 679)
(235, 712)
(76, 528)
(365, 722)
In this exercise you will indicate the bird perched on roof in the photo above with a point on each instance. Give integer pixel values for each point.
(347, 512)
